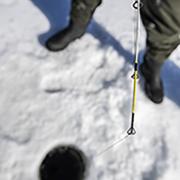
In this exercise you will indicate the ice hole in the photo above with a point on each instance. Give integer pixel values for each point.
(63, 163)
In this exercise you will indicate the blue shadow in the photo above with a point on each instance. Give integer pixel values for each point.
(171, 77)
(106, 39)
(57, 13)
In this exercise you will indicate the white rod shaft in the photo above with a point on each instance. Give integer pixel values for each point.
(138, 24)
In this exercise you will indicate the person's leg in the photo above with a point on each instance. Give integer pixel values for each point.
(162, 28)
(81, 14)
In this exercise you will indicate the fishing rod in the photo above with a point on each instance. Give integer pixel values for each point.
(137, 5)
(131, 131)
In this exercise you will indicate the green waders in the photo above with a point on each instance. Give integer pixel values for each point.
(82, 10)
(161, 19)
(80, 16)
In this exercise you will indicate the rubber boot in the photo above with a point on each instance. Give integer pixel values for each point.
(81, 14)
(153, 84)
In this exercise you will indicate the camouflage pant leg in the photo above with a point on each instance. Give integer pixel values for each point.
(82, 10)
(162, 24)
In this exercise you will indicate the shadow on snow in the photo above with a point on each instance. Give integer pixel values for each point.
(57, 13)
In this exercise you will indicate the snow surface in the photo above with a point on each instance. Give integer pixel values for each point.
(81, 95)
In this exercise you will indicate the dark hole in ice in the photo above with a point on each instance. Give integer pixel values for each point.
(63, 163)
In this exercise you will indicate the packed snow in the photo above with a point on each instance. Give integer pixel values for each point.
(82, 95)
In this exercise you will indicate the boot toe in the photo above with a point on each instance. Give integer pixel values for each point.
(53, 45)
(155, 95)
(153, 85)
(63, 38)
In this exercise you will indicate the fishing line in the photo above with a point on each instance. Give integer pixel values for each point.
(131, 131)
(115, 143)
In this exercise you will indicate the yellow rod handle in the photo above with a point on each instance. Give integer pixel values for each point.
(134, 91)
